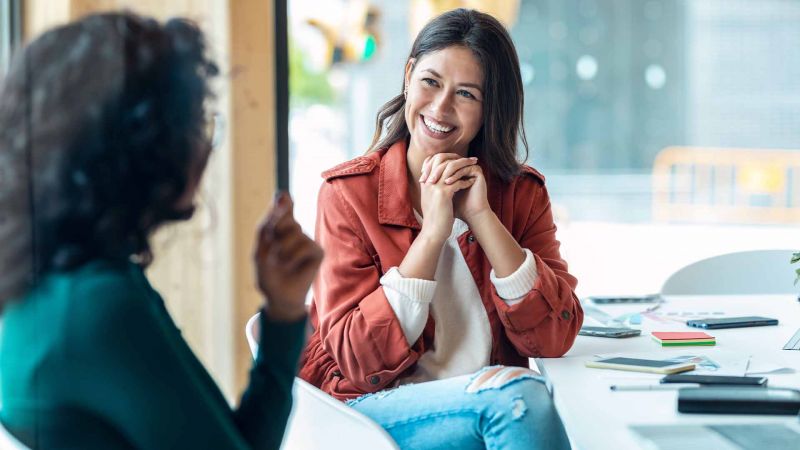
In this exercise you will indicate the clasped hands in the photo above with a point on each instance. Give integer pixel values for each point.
(451, 186)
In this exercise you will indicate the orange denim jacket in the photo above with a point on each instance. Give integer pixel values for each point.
(365, 224)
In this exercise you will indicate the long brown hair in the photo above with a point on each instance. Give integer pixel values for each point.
(496, 142)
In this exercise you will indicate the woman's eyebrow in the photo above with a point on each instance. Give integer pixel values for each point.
(437, 75)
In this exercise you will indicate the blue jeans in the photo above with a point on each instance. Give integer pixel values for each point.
(496, 408)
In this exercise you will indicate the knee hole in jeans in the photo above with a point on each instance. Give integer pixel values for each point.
(497, 378)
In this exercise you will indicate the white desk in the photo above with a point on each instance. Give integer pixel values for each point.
(597, 418)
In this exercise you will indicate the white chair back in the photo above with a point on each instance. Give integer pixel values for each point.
(9, 442)
(746, 273)
(319, 421)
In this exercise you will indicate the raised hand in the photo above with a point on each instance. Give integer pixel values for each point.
(286, 261)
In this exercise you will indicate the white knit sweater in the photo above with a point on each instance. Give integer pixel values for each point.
(463, 340)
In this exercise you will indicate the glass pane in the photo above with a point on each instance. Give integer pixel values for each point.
(668, 130)
(5, 36)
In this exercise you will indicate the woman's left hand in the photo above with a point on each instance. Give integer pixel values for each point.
(473, 201)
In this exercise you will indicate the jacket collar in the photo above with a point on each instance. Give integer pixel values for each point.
(394, 201)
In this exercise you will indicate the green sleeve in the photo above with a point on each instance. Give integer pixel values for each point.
(127, 363)
(267, 401)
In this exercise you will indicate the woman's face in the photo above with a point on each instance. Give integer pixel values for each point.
(444, 105)
(197, 167)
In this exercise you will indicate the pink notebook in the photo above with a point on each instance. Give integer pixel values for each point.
(681, 335)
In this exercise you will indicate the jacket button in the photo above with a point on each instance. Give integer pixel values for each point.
(374, 379)
(565, 315)
(337, 374)
(471, 238)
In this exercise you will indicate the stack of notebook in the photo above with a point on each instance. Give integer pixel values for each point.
(674, 339)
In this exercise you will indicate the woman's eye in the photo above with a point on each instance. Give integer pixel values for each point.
(429, 81)
(466, 94)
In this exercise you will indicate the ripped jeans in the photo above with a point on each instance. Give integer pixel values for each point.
(495, 408)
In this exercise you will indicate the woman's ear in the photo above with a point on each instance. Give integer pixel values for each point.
(409, 70)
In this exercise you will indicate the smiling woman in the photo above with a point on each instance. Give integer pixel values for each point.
(480, 64)
(444, 260)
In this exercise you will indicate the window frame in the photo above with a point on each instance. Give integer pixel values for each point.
(281, 94)
(11, 24)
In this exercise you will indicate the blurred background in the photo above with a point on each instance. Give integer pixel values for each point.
(668, 130)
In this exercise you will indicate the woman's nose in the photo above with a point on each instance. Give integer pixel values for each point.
(442, 102)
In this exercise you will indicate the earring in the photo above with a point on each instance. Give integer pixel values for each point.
(405, 91)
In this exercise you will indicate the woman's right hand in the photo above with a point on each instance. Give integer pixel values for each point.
(436, 196)
(286, 262)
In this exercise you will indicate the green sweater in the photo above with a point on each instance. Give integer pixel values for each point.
(91, 359)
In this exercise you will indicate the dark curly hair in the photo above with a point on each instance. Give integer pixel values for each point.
(102, 129)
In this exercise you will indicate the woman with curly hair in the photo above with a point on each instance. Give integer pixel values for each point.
(103, 138)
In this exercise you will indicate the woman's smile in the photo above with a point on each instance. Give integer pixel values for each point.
(435, 128)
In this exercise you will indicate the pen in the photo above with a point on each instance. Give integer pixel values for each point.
(653, 387)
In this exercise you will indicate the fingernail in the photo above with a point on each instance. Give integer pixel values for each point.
(473, 158)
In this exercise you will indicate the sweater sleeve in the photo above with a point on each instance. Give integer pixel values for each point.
(410, 299)
(513, 288)
(129, 366)
(267, 402)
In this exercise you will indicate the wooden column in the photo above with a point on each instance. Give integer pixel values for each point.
(254, 156)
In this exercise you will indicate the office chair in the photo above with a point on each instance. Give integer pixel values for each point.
(319, 421)
(745, 273)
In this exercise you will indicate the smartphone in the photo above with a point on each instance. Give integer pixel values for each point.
(609, 332)
(732, 322)
(719, 380)
(623, 299)
(641, 365)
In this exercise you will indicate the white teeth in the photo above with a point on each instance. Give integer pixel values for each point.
(435, 127)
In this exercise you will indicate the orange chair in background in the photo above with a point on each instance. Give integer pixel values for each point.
(726, 185)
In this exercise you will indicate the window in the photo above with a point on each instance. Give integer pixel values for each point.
(9, 31)
(667, 129)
